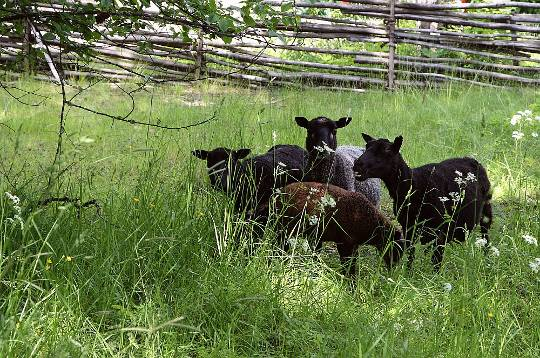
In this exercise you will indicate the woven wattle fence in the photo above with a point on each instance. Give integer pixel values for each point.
(349, 44)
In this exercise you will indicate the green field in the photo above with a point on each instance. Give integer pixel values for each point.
(162, 268)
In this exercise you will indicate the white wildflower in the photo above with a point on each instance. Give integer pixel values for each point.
(277, 191)
(494, 251)
(328, 200)
(447, 287)
(274, 136)
(313, 220)
(470, 177)
(527, 113)
(313, 191)
(535, 265)
(328, 149)
(534, 134)
(14, 198)
(455, 196)
(293, 241)
(459, 181)
(305, 246)
(515, 119)
(529, 239)
(517, 135)
(443, 198)
(281, 164)
(480, 242)
(458, 173)
(18, 211)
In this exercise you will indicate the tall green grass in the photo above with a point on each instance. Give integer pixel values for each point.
(162, 267)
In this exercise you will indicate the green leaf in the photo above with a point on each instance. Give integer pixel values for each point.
(248, 20)
(226, 39)
(48, 36)
(286, 6)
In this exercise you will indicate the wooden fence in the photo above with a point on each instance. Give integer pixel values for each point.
(350, 44)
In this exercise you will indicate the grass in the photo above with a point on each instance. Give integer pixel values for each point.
(162, 269)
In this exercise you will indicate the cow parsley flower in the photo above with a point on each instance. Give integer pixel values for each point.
(328, 200)
(470, 177)
(16, 201)
(515, 119)
(494, 251)
(517, 135)
(443, 198)
(313, 220)
(274, 136)
(535, 265)
(480, 242)
(460, 181)
(534, 134)
(455, 196)
(324, 148)
(529, 239)
(458, 173)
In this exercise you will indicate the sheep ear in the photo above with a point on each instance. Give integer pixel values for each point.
(242, 153)
(302, 121)
(201, 154)
(344, 121)
(367, 137)
(397, 144)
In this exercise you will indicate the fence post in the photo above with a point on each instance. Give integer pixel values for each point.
(200, 55)
(27, 46)
(391, 27)
(513, 37)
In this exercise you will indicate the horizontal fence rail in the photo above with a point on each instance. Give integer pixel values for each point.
(349, 44)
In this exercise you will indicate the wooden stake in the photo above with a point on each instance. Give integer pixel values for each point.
(391, 24)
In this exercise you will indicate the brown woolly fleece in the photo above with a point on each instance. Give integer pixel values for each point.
(353, 220)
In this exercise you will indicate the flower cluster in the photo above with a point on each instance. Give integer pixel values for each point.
(480, 242)
(280, 168)
(328, 200)
(313, 219)
(529, 239)
(16, 201)
(522, 120)
(324, 148)
(535, 265)
(463, 181)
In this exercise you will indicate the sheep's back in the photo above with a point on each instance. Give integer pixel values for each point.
(436, 184)
(353, 214)
(371, 188)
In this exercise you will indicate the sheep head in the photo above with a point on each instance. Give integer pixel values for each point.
(321, 133)
(381, 159)
(221, 164)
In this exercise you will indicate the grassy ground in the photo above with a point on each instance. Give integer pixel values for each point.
(162, 270)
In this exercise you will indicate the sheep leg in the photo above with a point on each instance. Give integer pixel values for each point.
(436, 258)
(410, 258)
(348, 265)
(487, 219)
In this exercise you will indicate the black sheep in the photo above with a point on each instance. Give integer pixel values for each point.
(253, 180)
(440, 202)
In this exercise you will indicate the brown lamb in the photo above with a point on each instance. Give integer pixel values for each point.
(350, 222)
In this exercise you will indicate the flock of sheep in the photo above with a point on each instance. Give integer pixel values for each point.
(338, 191)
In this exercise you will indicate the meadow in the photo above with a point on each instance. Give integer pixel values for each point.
(162, 267)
